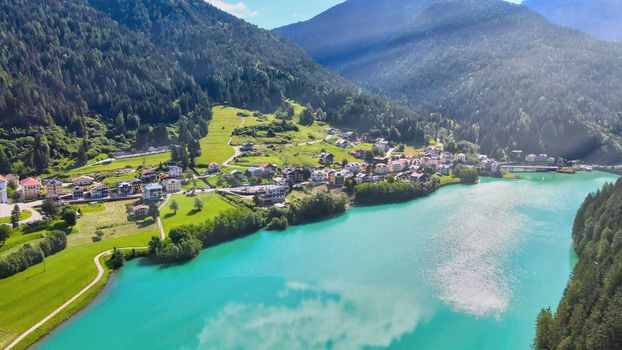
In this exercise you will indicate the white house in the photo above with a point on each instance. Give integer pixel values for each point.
(444, 169)
(531, 158)
(461, 157)
(3, 193)
(341, 143)
(175, 171)
(54, 189)
(353, 167)
(317, 176)
(83, 181)
(172, 185)
(273, 194)
(381, 169)
(152, 191)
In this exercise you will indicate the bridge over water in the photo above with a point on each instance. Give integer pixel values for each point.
(517, 168)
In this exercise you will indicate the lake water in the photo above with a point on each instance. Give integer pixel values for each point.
(467, 267)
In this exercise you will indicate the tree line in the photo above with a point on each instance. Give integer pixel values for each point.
(589, 316)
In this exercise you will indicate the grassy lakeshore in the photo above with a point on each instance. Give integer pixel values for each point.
(38, 292)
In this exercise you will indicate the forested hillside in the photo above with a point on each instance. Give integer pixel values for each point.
(244, 65)
(600, 18)
(589, 315)
(100, 70)
(515, 80)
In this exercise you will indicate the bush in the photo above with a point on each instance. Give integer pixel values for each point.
(70, 217)
(277, 224)
(5, 232)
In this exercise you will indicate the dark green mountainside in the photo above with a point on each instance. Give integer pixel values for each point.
(515, 80)
(589, 315)
(68, 69)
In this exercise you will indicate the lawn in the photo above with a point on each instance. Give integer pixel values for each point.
(30, 295)
(298, 154)
(25, 214)
(187, 213)
(134, 162)
(447, 180)
(214, 147)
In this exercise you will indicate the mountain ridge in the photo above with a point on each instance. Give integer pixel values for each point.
(514, 79)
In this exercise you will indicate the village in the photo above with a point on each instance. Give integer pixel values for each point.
(267, 184)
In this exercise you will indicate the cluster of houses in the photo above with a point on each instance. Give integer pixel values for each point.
(150, 185)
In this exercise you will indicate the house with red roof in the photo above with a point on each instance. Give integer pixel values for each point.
(31, 188)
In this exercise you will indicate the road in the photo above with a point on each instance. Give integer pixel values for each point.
(6, 209)
(100, 274)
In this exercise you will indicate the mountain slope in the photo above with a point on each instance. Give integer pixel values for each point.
(512, 78)
(600, 18)
(247, 66)
(589, 316)
(69, 67)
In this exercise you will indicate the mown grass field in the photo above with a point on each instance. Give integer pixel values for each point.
(214, 147)
(37, 292)
(306, 154)
(213, 204)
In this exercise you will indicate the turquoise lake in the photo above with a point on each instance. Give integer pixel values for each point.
(467, 267)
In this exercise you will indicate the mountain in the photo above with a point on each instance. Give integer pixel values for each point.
(600, 18)
(73, 69)
(513, 80)
(589, 315)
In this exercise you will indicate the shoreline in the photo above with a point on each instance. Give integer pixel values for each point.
(70, 309)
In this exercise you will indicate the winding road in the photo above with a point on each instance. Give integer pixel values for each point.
(100, 274)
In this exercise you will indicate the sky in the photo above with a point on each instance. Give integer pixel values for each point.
(270, 14)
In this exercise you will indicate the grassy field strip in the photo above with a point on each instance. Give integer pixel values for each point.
(188, 214)
(100, 274)
(118, 164)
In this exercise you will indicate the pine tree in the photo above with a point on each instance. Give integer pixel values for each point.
(5, 162)
(41, 153)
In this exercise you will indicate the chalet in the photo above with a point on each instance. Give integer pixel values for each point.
(397, 166)
(531, 158)
(140, 211)
(359, 153)
(54, 188)
(4, 198)
(268, 168)
(418, 177)
(124, 189)
(175, 171)
(353, 167)
(272, 194)
(77, 192)
(148, 176)
(152, 192)
(331, 131)
(279, 181)
(317, 176)
(83, 181)
(247, 147)
(383, 145)
(137, 186)
(31, 188)
(349, 135)
(295, 175)
(254, 172)
(444, 170)
(341, 143)
(236, 174)
(381, 169)
(363, 178)
(340, 177)
(326, 158)
(213, 168)
(99, 191)
(172, 185)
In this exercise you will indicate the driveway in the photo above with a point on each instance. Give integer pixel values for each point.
(6, 209)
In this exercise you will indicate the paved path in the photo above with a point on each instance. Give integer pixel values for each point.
(159, 221)
(100, 274)
(7, 209)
